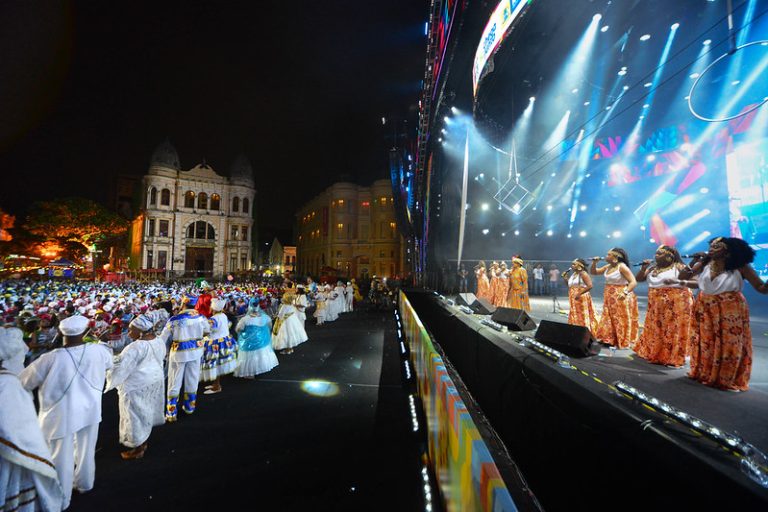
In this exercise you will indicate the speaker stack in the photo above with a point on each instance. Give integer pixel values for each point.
(514, 319)
(574, 340)
(479, 306)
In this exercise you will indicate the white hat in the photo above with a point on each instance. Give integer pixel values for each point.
(73, 325)
(143, 323)
(218, 304)
(11, 343)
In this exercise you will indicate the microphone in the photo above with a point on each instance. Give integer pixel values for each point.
(641, 264)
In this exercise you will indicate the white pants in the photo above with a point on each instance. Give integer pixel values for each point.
(75, 460)
(188, 372)
(350, 306)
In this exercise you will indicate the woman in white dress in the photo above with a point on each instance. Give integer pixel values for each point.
(321, 307)
(331, 304)
(254, 335)
(349, 295)
(288, 330)
(302, 303)
(341, 301)
(138, 376)
(220, 356)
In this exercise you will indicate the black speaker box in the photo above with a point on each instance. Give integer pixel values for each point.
(466, 299)
(514, 319)
(483, 307)
(574, 340)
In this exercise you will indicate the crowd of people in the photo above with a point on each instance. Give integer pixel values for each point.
(74, 341)
(712, 327)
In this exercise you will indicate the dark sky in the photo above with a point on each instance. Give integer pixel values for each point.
(88, 89)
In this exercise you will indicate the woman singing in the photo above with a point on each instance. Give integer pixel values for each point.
(721, 341)
(518, 286)
(502, 286)
(618, 325)
(667, 330)
(483, 286)
(582, 312)
(494, 284)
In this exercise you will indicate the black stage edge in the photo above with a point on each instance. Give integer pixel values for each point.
(579, 444)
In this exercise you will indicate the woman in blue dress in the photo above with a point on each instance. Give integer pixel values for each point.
(254, 334)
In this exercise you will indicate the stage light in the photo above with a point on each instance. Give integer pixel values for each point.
(645, 37)
(549, 232)
(586, 103)
(568, 235)
(707, 42)
(675, 26)
(485, 207)
(604, 29)
(517, 233)
(481, 175)
(383, 120)
(650, 158)
(553, 174)
(616, 234)
(583, 207)
(617, 208)
(693, 76)
(597, 17)
(622, 72)
(652, 240)
(320, 388)
(503, 234)
(736, 82)
(549, 207)
(641, 118)
(582, 234)
(532, 99)
(485, 231)
(704, 190)
(443, 131)
(454, 110)
(574, 90)
(446, 119)
(647, 84)
(646, 105)
(642, 228)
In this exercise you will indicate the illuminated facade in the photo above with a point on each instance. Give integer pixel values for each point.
(194, 222)
(352, 230)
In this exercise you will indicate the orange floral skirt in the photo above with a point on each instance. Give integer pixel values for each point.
(518, 299)
(721, 341)
(582, 311)
(499, 297)
(618, 325)
(483, 288)
(667, 332)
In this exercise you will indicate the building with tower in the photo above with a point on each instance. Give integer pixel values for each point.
(195, 222)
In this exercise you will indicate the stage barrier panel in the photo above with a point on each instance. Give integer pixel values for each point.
(466, 473)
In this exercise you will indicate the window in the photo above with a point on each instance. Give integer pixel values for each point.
(162, 259)
(244, 233)
(233, 262)
(243, 262)
(215, 201)
(201, 231)
(383, 202)
(150, 257)
(365, 204)
(189, 200)
(381, 254)
(340, 202)
(364, 231)
(202, 201)
(152, 196)
(339, 230)
(151, 227)
(165, 197)
(163, 231)
(246, 205)
(287, 260)
(236, 204)
(233, 233)
(338, 254)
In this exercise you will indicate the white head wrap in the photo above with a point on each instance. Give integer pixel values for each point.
(11, 343)
(73, 325)
(143, 323)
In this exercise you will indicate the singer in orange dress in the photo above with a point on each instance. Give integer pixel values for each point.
(483, 285)
(667, 332)
(721, 342)
(517, 297)
(502, 286)
(618, 326)
(581, 312)
(494, 282)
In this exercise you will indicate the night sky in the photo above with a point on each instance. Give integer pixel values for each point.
(89, 89)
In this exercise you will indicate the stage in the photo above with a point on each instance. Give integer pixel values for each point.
(574, 436)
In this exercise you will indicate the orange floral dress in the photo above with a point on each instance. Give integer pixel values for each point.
(666, 335)
(502, 289)
(721, 342)
(619, 325)
(518, 290)
(581, 312)
(483, 286)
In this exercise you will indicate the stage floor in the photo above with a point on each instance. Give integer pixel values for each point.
(745, 413)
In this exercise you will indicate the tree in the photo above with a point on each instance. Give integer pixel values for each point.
(74, 219)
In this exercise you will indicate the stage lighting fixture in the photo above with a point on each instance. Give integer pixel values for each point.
(443, 131)
(641, 118)
(622, 72)
(652, 240)
(574, 90)
(642, 228)
(693, 75)
(647, 84)
(651, 158)
(439, 139)
(583, 207)
(582, 234)
(604, 29)
(549, 232)
(586, 103)
(647, 105)
(617, 208)
(597, 17)
(485, 231)
(532, 99)
(549, 207)
(446, 119)
(616, 234)
(553, 174)
(568, 235)
(675, 26)
(503, 234)
(481, 175)
(736, 82)
(704, 190)
(645, 37)
(485, 207)
(517, 233)
(454, 110)
(707, 42)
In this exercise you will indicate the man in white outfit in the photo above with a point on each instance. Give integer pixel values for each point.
(349, 295)
(185, 332)
(70, 381)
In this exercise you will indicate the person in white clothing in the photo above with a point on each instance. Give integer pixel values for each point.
(349, 295)
(70, 381)
(186, 331)
(255, 355)
(220, 356)
(288, 330)
(341, 301)
(321, 306)
(302, 303)
(138, 377)
(331, 304)
(14, 349)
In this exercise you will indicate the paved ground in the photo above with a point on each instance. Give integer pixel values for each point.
(276, 443)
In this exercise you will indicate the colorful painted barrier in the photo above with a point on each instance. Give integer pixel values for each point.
(466, 473)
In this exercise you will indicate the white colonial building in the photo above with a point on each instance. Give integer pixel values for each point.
(194, 222)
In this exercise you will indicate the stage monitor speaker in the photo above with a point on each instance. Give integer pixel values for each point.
(574, 340)
(514, 319)
(483, 307)
(466, 299)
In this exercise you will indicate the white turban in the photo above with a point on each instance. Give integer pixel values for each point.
(143, 323)
(11, 343)
(73, 325)
(218, 304)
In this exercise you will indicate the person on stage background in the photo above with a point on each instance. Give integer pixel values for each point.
(483, 285)
(517, 297)
(494, 284)
(721, 342)
(618, 326)
(582, 311)
(667, 332)
(462, 273)
(554, 280)
(538, 279)
(502, 286)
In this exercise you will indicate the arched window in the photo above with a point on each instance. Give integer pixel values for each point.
(152, 196)
(246, 205)
(189, 200)
(201, 230)
(215, 201)
(165, 197)
(236, 204)
(202, 201)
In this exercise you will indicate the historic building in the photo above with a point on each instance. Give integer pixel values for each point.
(194, 222)
(350, 230)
